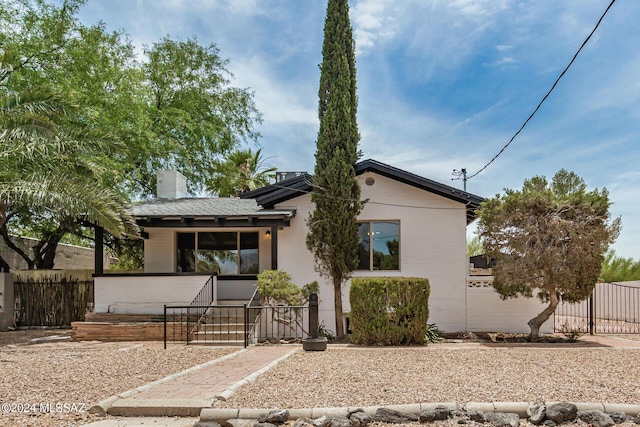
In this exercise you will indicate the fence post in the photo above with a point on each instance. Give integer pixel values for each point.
(165, 326)
(246, 325)
(592, 316)
(313, 342)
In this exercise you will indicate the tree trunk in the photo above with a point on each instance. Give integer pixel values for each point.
(337, 303)
(536, 322)
(7, 240)
(4, 266)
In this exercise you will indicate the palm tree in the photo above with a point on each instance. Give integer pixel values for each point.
(241, 171)
(48, 163)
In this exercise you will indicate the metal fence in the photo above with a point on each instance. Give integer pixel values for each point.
(279, 323)
(234, 324)
(612, 309)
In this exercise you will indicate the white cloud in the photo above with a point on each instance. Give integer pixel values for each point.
(279, 101)
(371, 22)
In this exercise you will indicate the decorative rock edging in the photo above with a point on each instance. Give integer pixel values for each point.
(499, 414)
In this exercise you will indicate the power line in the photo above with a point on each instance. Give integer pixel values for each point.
(549, 92)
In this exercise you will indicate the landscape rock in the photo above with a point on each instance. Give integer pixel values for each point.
(503, 419)
(339, 422)
(596, 418)
(562, 412)
(359, 418)
(440, 413)
(323, 421)
(241, 422)
(206, 424)
(618, 417)
(277, 416)
(549, 423)
(477, 416)
(637, 420)
(303, 422)
(384, 415)
(536, 413)
(264, 425)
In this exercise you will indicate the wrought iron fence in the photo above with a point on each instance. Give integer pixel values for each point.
(205, 324)
(278, 323)
(234, 324)
(612, 309)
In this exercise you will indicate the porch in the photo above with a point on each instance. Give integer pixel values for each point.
(187, 308)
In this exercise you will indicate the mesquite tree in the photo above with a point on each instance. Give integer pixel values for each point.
(333, 231)
(548, 238)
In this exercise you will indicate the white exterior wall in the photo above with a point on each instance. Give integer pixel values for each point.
(432, 245)
(487, 312)
(160, 249)
(144, 294)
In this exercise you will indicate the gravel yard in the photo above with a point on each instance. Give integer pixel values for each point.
(368, 377)
(83, 373)
(80, 374)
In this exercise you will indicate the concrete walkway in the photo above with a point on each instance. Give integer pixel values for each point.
(186, 393)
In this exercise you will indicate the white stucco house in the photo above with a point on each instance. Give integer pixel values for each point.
(410, 226)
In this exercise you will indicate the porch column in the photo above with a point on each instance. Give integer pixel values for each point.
(274, 247)
(99, 250)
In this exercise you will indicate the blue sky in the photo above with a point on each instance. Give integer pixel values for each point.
(442, 84)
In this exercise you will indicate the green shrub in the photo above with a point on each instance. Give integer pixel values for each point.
(389, 310)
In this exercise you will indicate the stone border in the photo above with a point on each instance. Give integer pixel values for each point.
(227, 393)
(222, 415)
(101, 408)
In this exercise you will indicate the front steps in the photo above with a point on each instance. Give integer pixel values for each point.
(221, 326)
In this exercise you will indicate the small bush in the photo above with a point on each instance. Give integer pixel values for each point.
(433, 334)
(571, 334)
(389, 310)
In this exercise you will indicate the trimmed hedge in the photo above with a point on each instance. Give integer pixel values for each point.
(389, 310)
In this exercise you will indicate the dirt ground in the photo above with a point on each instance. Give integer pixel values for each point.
(23, 336)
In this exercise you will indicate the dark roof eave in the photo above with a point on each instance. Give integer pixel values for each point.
(274, 194)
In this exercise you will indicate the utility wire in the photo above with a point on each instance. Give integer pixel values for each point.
(549, 92)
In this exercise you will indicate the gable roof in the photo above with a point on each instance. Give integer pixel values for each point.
(280, 192)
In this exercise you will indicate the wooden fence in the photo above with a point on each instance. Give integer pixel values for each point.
(52, 297)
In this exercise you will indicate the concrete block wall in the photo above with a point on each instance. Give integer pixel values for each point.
(6, 301)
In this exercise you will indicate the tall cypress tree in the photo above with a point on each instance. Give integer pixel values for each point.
(333, 231)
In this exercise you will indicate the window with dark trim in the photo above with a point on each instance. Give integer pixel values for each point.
(221, 252)
(379, 245)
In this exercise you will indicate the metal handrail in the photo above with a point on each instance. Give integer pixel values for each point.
(206, 297)
(253, 302)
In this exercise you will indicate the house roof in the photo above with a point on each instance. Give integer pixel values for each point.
(219, 211)
(280, 192)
